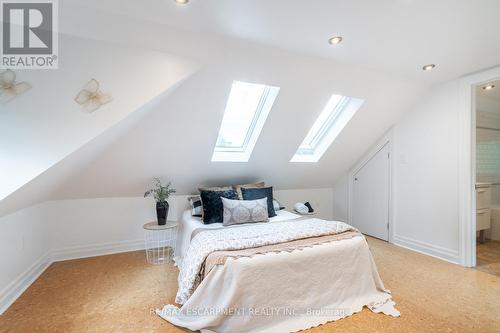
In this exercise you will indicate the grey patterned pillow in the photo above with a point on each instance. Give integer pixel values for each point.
(244, 211)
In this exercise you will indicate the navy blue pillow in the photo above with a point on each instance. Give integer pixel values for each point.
(259, 193)
(213, 211)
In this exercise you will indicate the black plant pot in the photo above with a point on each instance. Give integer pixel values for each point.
(162, 212)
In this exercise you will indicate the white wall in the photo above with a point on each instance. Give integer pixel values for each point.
(89, 223)
(60, 230)
(341, 199)
(84, 224)
(25, 241)
(425, 176)
(86, 227)
(321, 200)
(487, 142)
(426, 211)
(487, 152)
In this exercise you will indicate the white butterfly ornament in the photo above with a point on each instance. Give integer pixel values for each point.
(9, 89)
(91, 97)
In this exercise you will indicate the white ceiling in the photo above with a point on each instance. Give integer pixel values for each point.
(398, 36)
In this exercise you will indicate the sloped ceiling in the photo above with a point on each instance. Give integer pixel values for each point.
(44, 125)
(173, 135)
(396, 36)
(40, 189)
(176, 140)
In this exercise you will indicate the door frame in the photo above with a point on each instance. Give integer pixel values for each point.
(467, 163)
(386, 140)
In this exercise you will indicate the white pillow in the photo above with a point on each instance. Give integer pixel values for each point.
(300, 208)
(196, 205)
(276, 205)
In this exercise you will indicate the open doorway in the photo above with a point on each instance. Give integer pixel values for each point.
(487, 187)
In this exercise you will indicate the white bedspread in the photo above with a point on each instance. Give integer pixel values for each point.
(285, 292)
(190, 223)
(243, 237)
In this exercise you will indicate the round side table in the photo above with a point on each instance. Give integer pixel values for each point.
(160, 242)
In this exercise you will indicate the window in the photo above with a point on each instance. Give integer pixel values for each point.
(246, 112)
(332, 120)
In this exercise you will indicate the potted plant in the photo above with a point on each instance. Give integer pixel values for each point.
(161, 194)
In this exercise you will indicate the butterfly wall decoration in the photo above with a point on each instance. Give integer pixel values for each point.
(9, 88)
(91, 98)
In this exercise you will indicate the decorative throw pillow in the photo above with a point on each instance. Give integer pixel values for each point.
(252, 185)
(244, 211)
(259, 193)
(196, 206)
(215, 188)
(212, 204)
(277, 205)
(300, 208)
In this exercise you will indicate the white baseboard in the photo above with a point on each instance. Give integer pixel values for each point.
(15, 289)
(94, 250)
(427, 249)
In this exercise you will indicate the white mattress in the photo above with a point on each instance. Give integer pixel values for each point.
(189, 224)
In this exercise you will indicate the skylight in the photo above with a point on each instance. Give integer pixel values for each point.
(246, 112)
(332, 120)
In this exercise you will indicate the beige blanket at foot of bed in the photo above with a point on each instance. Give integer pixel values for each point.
(220, 257)
(285, 291)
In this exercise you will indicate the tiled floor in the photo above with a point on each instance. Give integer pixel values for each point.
(488, 257)
(117, 294)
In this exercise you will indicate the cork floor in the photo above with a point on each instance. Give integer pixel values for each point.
(488, 257)
(117, 294)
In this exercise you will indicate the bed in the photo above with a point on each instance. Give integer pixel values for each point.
(191, 223)
(285, 275)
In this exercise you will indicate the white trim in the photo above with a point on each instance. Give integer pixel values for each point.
(95, 250)
(387, 139)
(435, 251)
(467, 164)
(15, 289)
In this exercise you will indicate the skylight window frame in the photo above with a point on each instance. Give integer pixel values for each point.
(262, 110)
(338, 117)
(251, 128)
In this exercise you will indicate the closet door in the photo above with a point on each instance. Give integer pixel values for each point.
(370, 197)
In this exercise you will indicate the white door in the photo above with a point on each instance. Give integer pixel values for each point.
(370, 197)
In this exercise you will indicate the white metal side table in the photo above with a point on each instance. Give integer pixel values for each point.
(160, 242)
